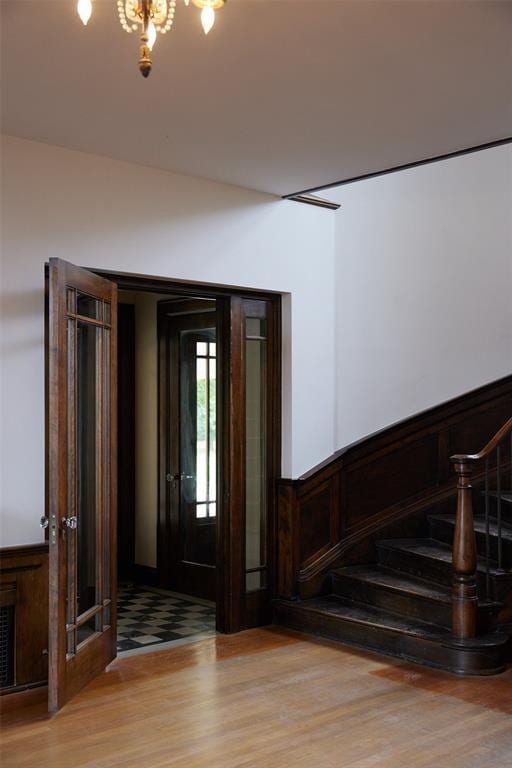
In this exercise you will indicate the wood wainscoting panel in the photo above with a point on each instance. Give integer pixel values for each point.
(379, 482)
(24, 588)
(383, 484)
(469, 437)
(316, 519)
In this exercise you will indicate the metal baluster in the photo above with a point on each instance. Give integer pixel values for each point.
(498, 490)
(487, 534)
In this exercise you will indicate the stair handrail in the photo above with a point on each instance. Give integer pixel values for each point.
(493, 443)
(464, 554)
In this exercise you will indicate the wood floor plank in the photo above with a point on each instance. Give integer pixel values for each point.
(272, 699)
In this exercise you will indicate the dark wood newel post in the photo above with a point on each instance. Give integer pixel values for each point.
(464, 592)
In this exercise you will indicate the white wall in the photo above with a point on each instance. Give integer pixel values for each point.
(103, 213)
(424, 288)
(406, 305)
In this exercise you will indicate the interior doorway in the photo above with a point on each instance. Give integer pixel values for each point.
(159, 504)
(168, 447)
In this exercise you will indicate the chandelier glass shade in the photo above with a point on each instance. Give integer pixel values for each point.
(151, 18)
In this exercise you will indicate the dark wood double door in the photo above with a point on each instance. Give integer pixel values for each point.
(218, 502)
(189, 411)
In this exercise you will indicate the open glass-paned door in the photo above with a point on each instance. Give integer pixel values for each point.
(81, 477)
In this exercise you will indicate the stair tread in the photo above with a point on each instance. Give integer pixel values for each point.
(403, 583)
(376, 617)
(479, 525)
(397, 581)
(426, 547)
(433, 549)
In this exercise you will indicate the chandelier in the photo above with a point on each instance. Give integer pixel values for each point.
(152, 17)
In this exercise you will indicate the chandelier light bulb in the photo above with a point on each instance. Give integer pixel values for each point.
(151, 18)
(84, 8)
(207, 18)
(151, 35)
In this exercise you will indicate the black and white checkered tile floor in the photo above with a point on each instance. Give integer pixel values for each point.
(146, 617)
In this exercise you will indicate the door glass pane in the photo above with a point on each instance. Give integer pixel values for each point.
(87, 630)
(106, 473)
(87, 306)
(202, 429)
(212, 432)
(71, 605)
(198, 442)
(255, 326)
(86, 449)
(256, 464)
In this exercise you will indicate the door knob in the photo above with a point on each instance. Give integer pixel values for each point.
(180, 476)
(44, 522)
(70, 522)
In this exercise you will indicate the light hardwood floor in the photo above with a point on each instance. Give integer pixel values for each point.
(272, 699)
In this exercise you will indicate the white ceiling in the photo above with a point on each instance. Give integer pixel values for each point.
(282, 96)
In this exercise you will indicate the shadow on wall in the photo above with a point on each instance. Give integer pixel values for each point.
(16, 309)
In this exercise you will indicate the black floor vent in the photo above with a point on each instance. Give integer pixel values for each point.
(6, 646)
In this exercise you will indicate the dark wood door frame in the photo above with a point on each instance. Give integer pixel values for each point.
(174, 568)
(234, 611)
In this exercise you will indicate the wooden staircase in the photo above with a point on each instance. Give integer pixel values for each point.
(443, 600)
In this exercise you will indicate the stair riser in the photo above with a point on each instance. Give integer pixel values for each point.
(409, 562)
(402, 604)
(440, 572)
(442, 530)
(408, 605)
(464, 662)
(506, 509)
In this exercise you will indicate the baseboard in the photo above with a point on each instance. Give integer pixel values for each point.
(14, 698)
(144, 574)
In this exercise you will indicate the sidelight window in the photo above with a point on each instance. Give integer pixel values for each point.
(206, 429)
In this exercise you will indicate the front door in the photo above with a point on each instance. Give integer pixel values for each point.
(81, 477)
(190, 422)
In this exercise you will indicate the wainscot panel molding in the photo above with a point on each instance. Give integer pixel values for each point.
(378, 487)
(24, 609)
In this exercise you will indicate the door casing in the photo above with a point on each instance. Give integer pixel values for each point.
(235, 610)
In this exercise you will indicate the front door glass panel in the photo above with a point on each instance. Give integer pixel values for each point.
(198, 443)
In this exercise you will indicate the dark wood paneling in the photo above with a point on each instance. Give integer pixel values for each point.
(380, 485)
(315, 521)
(470, 436)
(24, 585)
(387, 474)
